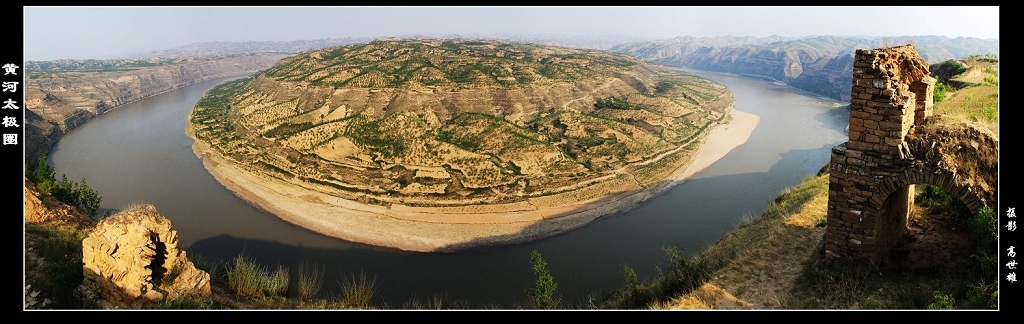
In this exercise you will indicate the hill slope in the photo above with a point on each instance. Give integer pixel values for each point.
(464, 127)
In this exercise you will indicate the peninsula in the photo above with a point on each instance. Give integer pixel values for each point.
(444, 145)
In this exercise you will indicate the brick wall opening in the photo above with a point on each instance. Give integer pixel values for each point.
(893, 220)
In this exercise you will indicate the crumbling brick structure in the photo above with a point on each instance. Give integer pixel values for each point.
(873, 174)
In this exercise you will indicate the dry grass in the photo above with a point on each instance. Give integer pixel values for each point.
(976, 104)
(707, 296)
(759, 260)
(752, 267)
(436, 302)
(251, 280)
(357, 292)
(309, 281)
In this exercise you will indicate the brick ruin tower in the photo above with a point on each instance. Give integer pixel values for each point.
(867, 210)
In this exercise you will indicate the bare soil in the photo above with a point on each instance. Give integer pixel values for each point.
(935, 242)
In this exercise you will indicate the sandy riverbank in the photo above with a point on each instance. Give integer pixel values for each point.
(453, 229)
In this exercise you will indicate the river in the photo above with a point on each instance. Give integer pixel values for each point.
(139, 153)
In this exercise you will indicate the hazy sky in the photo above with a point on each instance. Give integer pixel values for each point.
(103, 32)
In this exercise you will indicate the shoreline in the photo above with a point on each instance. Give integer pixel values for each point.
(438, 229)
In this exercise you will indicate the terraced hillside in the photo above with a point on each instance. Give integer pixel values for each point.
(434, 123)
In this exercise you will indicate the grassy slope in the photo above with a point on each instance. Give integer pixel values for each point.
(784, 269)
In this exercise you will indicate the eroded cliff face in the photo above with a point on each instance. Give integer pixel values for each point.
(828, 77)
(44, 209)
(817, 64)
(56, 103)
(131, 260)
(816, 71)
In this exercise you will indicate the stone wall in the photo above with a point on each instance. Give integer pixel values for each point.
(132, 261)
(891, 93)
(892, 146)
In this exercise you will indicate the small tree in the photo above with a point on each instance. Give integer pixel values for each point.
(66, 191)
(88, 199)
(542, 293)
(43, 176)
(637, 296)
(631, 278)
(78, 195)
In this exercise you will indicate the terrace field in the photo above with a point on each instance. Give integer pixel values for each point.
(456, 124)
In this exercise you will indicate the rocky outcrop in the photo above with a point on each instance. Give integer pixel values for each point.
(57, 102)
(43, 209)
(131, 260)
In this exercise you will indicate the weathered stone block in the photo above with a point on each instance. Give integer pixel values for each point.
(122, 275)
(869, 138)
(893, 141)
(872, 124)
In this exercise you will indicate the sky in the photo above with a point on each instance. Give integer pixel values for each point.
(105, 32)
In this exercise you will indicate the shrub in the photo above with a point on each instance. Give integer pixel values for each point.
(940, 92)
(87, 200)
(631, 279)
(358, 292)
(249, 279)
(244, 277)
(309, 281)
(42, 175)
(684, 275)
(637, 295)
(542, 293)
(277, 282)
(941, 301)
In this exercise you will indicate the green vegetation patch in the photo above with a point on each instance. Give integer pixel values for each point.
(283, 130)
(614, 102)
(477, 132)
(388, 136)
(76, 194)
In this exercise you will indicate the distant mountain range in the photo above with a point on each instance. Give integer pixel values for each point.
(231, 48)
(821, 65)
